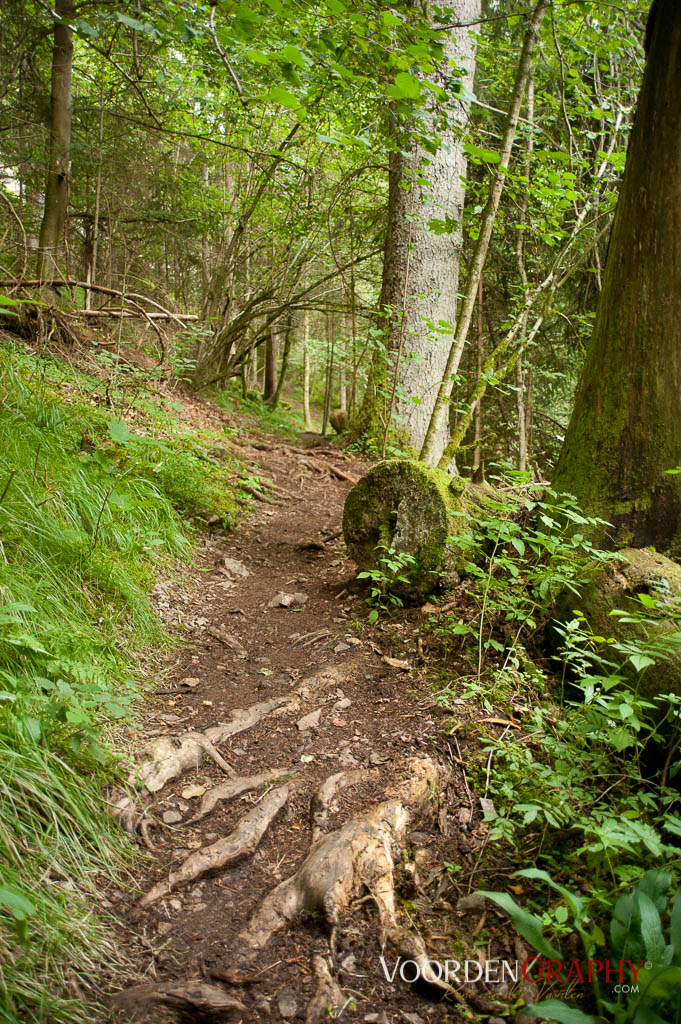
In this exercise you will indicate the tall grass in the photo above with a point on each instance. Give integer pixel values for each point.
(88, 516)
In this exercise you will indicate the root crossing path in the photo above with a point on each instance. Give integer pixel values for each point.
(289, 786)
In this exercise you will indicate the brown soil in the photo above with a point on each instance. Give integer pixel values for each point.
(375, 717)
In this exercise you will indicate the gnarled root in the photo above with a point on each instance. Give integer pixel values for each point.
(169, 761)
(328, 995)
(339, 864)
(322, 802)
(240, 843)
(188, 995)
(235, 787)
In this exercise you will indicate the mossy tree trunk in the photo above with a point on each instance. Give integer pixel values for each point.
(625, 430)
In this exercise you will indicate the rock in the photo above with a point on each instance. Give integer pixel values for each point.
(339, 420)
(164, 927)
(282, 600)
(340, 648)
(404, 506)
(232, 568)
(172, 817)
(471, 904)
(288, 1007)
(310, 721)
(614, 585)
(341, 705)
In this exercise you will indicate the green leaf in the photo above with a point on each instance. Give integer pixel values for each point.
(13, 899)
(257, 56)
(554, 1009)
(526, 924)
(292, 55)
(651, 928)
(641, 661)
(283, 98)
(406, 87)
(119, 431)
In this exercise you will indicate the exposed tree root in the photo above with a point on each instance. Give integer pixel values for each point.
(169, 761)
(240, 843)
(188, 995)
(235, 787)
(340, 864)
(321, 803)
(328, 995)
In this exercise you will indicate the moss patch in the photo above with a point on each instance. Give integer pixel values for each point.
(404, 505)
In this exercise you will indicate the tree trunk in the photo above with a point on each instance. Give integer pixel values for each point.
(330, 350)
(403, 507)
(625, 431)
(306, 370)
(421, 267)
(432, 441)
(59, 159)
(284, 364)
(270, 375)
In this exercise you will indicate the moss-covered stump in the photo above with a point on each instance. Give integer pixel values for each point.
(639, 571)
(403, 506)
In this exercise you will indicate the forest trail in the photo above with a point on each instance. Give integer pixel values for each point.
(322, 700)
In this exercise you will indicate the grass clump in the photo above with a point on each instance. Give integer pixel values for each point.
(89, 514)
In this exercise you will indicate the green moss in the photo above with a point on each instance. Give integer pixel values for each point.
(403, 505)
(614, 587)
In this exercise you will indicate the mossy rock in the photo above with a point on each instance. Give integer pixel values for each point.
(614, 587)
(403, 505)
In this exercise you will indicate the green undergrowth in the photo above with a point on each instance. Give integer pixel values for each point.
(578, 769)
(283, 420)
(96, 476)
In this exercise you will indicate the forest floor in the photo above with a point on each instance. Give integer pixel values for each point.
(326, 695)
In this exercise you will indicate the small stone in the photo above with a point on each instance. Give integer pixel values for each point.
(488, 808)
(164, 927)
(172, 817)
(310, 721)
(191, 792)
(471, 903)
(376, 758)
(175, 905)
(282, 600)
(340, 648)
(232, 567)
(341, 705)
(288, 1007)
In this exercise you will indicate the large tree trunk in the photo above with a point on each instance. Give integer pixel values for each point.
(59, 159)
(625, 430)
(421, 266)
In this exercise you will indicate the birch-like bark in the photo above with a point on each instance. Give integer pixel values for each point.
(431, 449)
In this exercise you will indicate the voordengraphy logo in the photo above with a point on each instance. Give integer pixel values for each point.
(493, 972)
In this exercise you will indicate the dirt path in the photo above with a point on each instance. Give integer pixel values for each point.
(317, 701)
